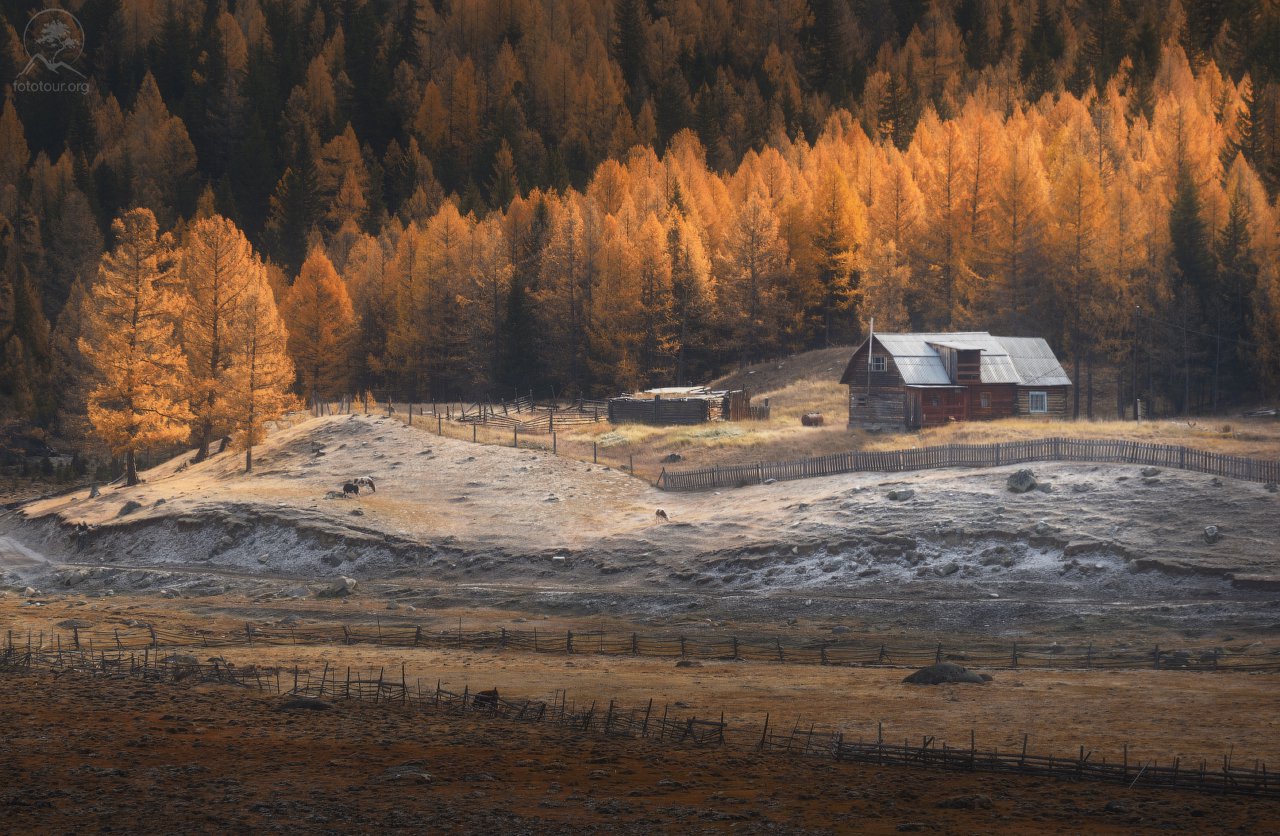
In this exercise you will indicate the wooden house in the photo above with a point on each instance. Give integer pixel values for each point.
(908, 381)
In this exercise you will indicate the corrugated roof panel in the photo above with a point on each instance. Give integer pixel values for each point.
(1035, 362)
(922, 371)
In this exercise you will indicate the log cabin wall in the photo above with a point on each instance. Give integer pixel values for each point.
(884, 403)
(1000, 401)
(1056, 397)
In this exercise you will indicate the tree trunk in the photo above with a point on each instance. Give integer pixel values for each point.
(248, 459)
(1075, 390)
(130, 469)
(1088, 366)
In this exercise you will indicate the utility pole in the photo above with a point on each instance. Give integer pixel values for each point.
(1137, 311)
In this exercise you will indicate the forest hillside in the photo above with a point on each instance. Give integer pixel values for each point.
(461, 198)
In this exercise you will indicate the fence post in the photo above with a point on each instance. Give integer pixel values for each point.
(515, 436)
(635, 645)
(474, 427)
(682, 646)
(554, 445)
(631, 463)
(439, 425)
(937, 657)
(595, 452)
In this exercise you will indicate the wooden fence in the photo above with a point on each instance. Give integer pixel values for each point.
(977, 455)
(835, 652)
(834, 743)
(333, 683)
(636, 722)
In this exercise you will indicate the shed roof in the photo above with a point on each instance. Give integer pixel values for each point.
(1026, 361)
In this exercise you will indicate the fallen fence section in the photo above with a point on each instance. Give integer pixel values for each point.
(1102, 451)
(1199, 775)
(863, 652)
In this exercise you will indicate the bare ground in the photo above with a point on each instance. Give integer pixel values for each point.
(153, 758)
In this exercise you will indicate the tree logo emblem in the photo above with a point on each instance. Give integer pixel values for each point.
(53, 38)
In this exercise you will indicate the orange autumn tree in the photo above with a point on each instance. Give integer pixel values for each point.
(139, 400)
(218, 266)
(318, 313)
(261, 370)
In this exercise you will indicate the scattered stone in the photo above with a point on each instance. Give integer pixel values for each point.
(769, 481)
(1212, 534)
(944, 672)
(966, 802)
(1116, 807)
(1021, 481)
(336, 495)
(839, 629)
(1272, 487)
(289, 620)
(340, 588)
(1150, 471)
(900, 494)
(356, 512)
(75, 624)
(159, 502)
(1082, 487)
(688, 663)
(1217, 483)
(672, 458)
(29, 591)
(1044, 487)
(1043, 528)
(946, 570)
(1150, 480)
(913, 827)
(129, 507)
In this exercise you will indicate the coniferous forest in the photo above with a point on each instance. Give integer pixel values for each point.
(430, 199)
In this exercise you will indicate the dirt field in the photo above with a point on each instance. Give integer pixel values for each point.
(155, 758)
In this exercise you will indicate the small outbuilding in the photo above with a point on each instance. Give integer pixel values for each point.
(682, 405)
(909, 381)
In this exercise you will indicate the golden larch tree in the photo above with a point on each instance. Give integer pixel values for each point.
(139, 400)
(218, 267)
(321, 322)
(261, 370)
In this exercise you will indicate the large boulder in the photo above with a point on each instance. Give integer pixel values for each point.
(1022, 481)
(944, 672)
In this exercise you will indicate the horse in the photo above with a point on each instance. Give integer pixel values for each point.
(365, 482)
(351, 488)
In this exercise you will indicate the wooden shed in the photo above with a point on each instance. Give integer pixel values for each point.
(680, 405)
(908, 381)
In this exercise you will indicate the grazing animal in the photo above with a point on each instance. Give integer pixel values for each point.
(351, 487)
(662, 515)
(365, 482)
(486, 699)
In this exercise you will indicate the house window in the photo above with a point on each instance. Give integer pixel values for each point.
(985, 399)
(1039, 402)
(879, 363)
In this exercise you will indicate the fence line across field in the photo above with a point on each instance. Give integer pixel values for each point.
(1100, 451)
(638, 722)
(833, 652)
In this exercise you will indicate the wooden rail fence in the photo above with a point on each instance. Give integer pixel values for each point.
(863, 652)
(834, 743)
(635, 722)
(977, 455)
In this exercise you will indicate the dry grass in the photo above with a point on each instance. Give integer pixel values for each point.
(1257, 437)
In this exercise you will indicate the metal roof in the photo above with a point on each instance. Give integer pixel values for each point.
(1034, 361)
(1027, 361)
